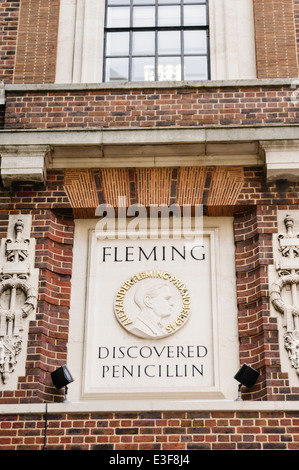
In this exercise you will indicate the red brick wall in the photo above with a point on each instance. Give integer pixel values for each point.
(194, 430)
(296, 17)
(275, 38)
(151, 107)
(258, 332)
(48, 333)
(37, 42)
(9, 16)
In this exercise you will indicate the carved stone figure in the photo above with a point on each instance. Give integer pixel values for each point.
(17, 299)
(288, 272)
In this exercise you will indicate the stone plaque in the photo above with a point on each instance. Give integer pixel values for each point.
(151, 323)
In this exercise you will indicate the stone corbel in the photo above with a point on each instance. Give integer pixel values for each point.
(24, 163)
(281, 159)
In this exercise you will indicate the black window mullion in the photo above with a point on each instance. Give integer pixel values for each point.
(156, 29)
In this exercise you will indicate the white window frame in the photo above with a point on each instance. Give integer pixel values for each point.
(81, 41)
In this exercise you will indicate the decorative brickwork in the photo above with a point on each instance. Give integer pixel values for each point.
(276, 51)
(37, 42)
(174, 107)
(117, 187)
(80, 187)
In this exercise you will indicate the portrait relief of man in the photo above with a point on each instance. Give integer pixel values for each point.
(156, 304)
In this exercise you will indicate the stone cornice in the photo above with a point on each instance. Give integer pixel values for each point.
(275, 147)
(149, 405)
(162, 135)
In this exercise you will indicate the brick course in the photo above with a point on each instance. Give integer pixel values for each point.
(196, 430)
(173, 107)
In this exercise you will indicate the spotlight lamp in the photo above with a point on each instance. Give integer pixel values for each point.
(246, 376)
(61, 377)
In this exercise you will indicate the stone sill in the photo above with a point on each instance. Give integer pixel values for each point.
(148, 406)
(273, 82)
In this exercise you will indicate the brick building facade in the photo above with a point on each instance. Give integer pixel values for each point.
(229, 144)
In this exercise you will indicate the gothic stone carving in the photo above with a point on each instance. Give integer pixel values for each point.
(288, 271)
(17, 295)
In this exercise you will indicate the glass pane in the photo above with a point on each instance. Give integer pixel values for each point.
(117, 44)
(169, 68)
(195, 42)
(118, 2)
(143, 69)
(142, 2)
(169, 16)
(195, 15)
(143, 16)
(117, 69)
(169, 42)
(196, 68)
(169, 1)
(118, 17)
(143, 43)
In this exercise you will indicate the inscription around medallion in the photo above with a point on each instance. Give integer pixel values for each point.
(152, 304)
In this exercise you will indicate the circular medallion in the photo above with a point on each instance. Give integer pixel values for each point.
(152, 304)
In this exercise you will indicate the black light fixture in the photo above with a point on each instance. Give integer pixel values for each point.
(246, 376)
(61, 377)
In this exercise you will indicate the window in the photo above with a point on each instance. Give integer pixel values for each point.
(148, 40)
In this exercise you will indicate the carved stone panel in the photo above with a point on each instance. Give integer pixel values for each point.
(153, 317)
(284, 289)
(18, 296)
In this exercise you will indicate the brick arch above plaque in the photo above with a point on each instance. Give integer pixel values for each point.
(122, 187)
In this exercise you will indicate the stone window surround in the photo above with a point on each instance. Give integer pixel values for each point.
(80, 41)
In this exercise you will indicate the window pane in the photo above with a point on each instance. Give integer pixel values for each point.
(117, 44)
(169, 42)
(118, 17)
(195, 15)
(195, 68)
(118, 2)
(143, 16)
(169, 1)
(142, 2)
(143, 69)
(169, 68)
(143, 43)
(195, 42)
(117, 69)
(169, 16)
